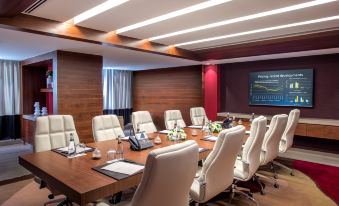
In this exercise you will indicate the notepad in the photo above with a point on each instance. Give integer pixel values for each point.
(201, 149)
(211, 138)
(195, 126)
(65, 149)
(123, 167)
(164, 132)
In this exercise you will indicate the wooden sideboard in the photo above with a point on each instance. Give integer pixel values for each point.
(28, 128)
(308, 127)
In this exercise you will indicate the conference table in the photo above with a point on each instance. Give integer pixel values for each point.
(75, 178)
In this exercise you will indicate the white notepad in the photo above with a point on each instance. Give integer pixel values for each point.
(195, 126)
(65, 149)
(211, 138)
(201, 149)
(123, 167)
(164, 132)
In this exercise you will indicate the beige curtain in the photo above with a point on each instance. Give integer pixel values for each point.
(9, 87)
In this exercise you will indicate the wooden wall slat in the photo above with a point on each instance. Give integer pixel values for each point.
(163, 89)
(80, 89)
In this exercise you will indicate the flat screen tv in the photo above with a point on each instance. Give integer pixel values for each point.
(281, 88)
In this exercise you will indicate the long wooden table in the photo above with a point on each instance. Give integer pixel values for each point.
(75, 177)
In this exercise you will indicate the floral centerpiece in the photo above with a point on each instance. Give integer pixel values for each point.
(173, 134)
(214, 127)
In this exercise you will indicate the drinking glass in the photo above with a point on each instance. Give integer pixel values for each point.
(80, 148)
(111, 155)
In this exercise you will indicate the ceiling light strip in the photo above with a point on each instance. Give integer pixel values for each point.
(244, 18)
(259, 30)
(97, 10)
(173, 14)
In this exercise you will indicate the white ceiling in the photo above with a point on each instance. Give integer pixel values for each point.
(16, 45)
(135, 11)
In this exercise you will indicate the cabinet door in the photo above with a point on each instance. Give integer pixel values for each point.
(28, 129)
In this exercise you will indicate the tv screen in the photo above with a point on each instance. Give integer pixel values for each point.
(282, 88)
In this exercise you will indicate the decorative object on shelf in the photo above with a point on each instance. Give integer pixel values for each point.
(44, 111)
(36, 109)
(214, 127)
(157, 140)
(49, 79)
(176, 134)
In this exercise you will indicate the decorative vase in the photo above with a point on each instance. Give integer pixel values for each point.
(49, 82)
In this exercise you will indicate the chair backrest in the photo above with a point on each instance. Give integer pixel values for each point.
(144, 120)
(218, 169)
(252, 148)
(270, 147)
(53, 131)
(106, 127)
(173, 117)
(168, 176)
(287, 138)
(198, 114)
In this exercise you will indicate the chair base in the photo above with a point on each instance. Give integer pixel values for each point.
(290, 170)
(270, 179)
(244, 192)
(61, 202)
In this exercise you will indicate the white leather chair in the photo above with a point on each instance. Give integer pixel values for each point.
(173, 117)
(270, 147)
(168, 175)
(217, 172)
(248, 164)
(106, 127)
(144, 120)
(288, 136)
(198, 114)
(52, 132)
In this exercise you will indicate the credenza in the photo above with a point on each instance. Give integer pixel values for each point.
(308, 127)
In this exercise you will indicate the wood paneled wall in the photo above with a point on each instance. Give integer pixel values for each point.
(159, 90)
(79, 89)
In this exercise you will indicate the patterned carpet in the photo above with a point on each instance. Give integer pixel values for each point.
(297, 190)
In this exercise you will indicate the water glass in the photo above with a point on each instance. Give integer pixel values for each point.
(111, 155)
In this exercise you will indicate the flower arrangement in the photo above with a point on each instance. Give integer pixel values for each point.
(173, 134)
(49, 73)
(214, 127)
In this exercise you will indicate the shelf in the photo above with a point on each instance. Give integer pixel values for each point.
(46, 90)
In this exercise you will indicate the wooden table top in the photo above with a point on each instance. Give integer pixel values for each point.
(80, 183)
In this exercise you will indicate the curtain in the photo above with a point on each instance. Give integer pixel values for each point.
(9, 99)
(117, 93)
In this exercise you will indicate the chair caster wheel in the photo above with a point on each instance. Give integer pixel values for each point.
(292, 173)
(262, 192)
(275, 176)
(250, 194)
(276, 185)
(50, 196)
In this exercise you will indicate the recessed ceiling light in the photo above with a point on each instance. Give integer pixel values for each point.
(244, 18)
(173, 14)
(97, 10)
(259, 30)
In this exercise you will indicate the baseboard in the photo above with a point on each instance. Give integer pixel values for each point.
(17, 179)
(11, 142)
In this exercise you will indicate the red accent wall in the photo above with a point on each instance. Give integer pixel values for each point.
(234, 85)
(211, 91)
(49, 96)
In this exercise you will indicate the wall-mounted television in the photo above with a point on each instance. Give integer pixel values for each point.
(281, 88)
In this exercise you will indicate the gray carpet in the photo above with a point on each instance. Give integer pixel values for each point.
(9, 162)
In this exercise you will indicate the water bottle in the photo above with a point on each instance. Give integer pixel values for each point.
(120, 150)
(71, 146)
(251, 119)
